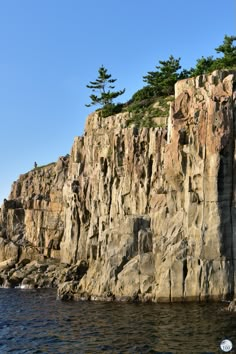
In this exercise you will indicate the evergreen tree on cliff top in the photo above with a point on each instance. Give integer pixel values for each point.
(228, 60)
(228, 49)
(103, 86)
(162, 80)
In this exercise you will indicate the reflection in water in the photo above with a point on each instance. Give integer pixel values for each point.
(32, 321)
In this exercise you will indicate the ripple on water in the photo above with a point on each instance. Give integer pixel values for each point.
(35, 322)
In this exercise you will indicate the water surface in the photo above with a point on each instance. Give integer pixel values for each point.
(33, 321)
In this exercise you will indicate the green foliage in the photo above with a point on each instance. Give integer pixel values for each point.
(203, 66)
(229, 52)
(142, 113)
(227, 61)
(143, 93)
(159, 85)
(162, 80)
(184, 74)
(104, 86)
(110, 109)
(140, 105)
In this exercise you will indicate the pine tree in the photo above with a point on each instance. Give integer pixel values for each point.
(104, 86)
(203, 66)
(164, 78)
(227, 61)
(228, 49)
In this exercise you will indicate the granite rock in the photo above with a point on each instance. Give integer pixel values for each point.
(149, 212)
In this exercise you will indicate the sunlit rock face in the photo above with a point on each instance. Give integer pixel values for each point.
(33, 217)
(150, 211)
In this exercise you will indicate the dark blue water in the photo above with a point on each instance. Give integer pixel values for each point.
(33, 321)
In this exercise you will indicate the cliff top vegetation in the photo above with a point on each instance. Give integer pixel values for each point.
(153, 99)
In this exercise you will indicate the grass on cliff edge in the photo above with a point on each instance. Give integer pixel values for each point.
(148, 112)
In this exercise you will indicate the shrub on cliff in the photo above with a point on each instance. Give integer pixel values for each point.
(149, 112)
(110, 109)
(142, 94)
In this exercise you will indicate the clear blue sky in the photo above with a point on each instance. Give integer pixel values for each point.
(50, 50)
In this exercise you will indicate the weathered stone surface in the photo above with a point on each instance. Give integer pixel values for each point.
(33, 216)
(150, 213)
(232, 306)
(32, 274)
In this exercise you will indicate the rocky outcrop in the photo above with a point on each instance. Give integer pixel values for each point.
(137, 214)
(32, 221)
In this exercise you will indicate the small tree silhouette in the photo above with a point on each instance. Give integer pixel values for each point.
(103, 85)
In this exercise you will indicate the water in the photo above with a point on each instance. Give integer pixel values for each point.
(33, 321)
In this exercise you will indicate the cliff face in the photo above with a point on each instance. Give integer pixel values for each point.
(32, 220)
(145, 213)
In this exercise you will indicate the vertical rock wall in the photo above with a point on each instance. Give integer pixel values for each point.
(199, 168)
(150, 212)
(32, 219)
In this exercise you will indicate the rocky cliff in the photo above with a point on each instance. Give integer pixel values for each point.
(146, 214)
